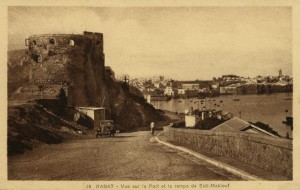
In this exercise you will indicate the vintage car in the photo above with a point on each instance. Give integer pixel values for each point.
(106, 127)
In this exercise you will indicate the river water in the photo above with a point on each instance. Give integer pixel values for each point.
(269, 109)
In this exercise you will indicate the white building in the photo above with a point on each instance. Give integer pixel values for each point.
(190, 121)
(156, 85)
(95, 113)
(215, 86)
(181, 91)
(190, 86)
(228, 90)
(169, 91)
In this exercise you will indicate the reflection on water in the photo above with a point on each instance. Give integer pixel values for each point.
(269, 109)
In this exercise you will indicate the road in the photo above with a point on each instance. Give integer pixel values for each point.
(128, 156)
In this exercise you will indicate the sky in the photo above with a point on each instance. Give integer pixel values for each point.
(183, 43)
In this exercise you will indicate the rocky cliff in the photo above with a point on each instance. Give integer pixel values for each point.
(75, 63)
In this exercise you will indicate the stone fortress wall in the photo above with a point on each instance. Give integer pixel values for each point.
(68, 61)
(41, 46)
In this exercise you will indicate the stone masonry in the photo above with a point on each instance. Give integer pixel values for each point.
(76, 62)
(269, 153)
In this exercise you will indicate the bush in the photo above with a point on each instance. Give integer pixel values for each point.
(265, 127)
(208, 123)
(179, 124)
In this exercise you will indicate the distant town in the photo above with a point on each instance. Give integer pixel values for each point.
(158, 88)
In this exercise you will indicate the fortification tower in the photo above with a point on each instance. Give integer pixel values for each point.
(72, 61)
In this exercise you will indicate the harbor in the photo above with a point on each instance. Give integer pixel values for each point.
(269, 109)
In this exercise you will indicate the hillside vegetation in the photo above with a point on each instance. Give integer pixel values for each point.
(29, 126)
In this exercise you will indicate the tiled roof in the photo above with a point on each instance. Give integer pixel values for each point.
(237, 124)
(234, 124)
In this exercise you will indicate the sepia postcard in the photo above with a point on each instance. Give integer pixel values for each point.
(151, 95)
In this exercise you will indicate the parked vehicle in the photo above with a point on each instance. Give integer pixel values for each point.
(106, 127)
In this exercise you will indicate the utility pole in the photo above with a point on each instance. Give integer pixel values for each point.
(126, 79)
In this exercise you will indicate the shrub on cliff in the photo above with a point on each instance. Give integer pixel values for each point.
(266, 127)
(128, 107)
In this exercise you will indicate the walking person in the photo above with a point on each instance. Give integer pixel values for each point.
(152, 128)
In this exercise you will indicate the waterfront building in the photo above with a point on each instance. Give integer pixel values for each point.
(181, 91)
(281, 83)
(190, 85)
(247, 89)
(222, 90)
(228, 90)
(205, 90)
(169, 91)
(238, 125)
(208, 117)
(190, 121)
(191, 93)
(157, 85)
(215, 86)
(230, 78)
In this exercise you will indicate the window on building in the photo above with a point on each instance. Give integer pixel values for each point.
(26, 42)
(34, 42)
(72, 43)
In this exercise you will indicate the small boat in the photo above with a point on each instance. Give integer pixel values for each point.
(236, 99)
(179, 100)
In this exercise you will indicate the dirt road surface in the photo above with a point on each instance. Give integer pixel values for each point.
(128, 156)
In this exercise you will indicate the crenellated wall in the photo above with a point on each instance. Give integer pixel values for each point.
(269, 153)
(54, 51)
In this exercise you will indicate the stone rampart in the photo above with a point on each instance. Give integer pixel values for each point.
(75, 62)
(45, 45)
(269, 153)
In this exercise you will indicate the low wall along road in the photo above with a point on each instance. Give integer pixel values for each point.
(269, 153)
